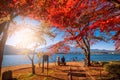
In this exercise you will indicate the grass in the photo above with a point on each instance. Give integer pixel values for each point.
(99, 78)
(46, 78)
(50, 72)
(93, 71)
(27, 76)
(114, 62)
(59, 73)
(113, 69)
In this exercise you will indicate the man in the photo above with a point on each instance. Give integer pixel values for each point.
(63, 60)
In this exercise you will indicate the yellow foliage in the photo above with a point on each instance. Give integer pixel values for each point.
(7, 18)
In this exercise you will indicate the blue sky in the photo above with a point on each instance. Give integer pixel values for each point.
(13, 40)
(103, 45)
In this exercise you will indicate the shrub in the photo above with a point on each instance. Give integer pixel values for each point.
(99, 63)
(115, 62)
(95, 62)
(113, 70)
(104, 63)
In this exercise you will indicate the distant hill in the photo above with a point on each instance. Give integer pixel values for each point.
(10, 50)
(78, 50)
(93, 51)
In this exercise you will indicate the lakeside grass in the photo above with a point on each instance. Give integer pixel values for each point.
(61, 72)
(26, 76)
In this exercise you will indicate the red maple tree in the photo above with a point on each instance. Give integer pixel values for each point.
(84, 18)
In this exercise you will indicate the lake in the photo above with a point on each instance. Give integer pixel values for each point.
(11, 60)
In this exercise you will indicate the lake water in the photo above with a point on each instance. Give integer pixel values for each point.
(10, 60)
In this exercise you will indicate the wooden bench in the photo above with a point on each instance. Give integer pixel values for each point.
(61, 63)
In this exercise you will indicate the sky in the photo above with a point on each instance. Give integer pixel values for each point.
(16, 37)
(103, 45)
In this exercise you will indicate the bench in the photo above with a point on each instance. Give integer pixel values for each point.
(62, 63)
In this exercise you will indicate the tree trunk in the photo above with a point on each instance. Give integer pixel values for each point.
(33, 67)
(88, 60)
(86, 42)
(1, 54)
(2, 43)
(43, 65)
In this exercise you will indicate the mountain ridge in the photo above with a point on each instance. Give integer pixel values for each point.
(11, 50)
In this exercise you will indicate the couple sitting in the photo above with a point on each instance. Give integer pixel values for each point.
(62, 61)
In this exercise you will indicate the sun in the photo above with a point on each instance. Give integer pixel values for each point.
(27, 38)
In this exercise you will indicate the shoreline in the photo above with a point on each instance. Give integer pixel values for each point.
(54, 63)
(16, 67)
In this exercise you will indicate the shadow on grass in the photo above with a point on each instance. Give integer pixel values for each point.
(79, 74)
(74, 66)
(14, 79)
(66, 71)
(55, 78)
(22, 68)
(78, 70)
(51, 77)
